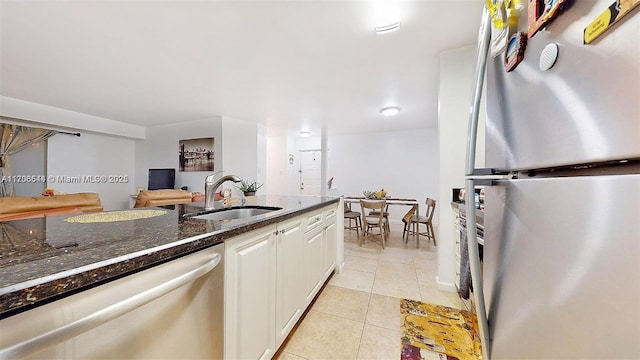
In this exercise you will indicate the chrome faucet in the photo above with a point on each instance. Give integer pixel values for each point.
(210, 188)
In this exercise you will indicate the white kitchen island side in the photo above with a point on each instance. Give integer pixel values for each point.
(271, 276)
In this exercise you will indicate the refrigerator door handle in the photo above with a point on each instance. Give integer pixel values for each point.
(490, 180)
(472, 240)
(488, 172)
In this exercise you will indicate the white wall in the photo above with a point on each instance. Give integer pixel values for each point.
(161, 146)
(244, 153)
(56, 118)
(240, 151)
(93, 155)
(404, 163)
(106, 148)
(457, 69)
(30, 161)
(261, 163)
(277, 158)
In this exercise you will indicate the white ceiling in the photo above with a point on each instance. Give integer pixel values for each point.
(294, 64)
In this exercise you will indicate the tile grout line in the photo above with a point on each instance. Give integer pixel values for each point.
(418, 280)
(368, 307)
(381, 256)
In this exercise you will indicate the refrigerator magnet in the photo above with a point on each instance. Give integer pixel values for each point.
(515, 50)
(499, 28)
(542, 12)
(611, 15)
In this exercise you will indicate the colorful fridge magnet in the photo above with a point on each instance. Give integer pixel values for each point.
(515, 50)
(514, 7)
(542, 12)
(499, 28)
(608, 18)
(494, 7)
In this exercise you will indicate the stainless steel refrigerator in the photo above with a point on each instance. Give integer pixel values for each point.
(561, 267)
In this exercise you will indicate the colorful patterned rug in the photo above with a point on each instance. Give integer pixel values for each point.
(438, 332)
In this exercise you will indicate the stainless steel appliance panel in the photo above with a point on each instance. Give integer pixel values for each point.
(562, 267)
(184, 323)
(585, 109)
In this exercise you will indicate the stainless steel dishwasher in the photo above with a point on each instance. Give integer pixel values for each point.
(173, 310)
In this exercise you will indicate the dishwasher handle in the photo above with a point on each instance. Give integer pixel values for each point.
(105, 315)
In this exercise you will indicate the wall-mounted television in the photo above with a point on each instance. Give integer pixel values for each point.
(162, 179)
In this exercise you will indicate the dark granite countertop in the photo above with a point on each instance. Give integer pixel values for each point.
(44, 259)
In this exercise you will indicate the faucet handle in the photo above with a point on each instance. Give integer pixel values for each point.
(209, 178)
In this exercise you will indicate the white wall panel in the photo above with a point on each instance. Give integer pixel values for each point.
(457, 68)
(56, 118)
(404, 163)
(30, 161)
(160, 150)
(92, 155)
(277, 163)
(240, 151)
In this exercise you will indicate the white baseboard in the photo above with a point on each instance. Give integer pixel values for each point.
(446, 286)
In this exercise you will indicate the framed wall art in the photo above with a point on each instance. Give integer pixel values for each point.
(197, 154)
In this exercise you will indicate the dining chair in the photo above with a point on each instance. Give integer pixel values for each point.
(427, 220)
(353, 216)
(385, 214)
(406, 219)
(371, 222)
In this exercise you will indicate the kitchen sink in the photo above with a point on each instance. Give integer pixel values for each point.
(234, 213)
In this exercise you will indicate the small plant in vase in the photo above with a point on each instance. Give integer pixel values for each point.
(249, 188)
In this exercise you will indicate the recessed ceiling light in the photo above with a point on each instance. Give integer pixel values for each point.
(387, 28)
(390, 111)
(305, 133)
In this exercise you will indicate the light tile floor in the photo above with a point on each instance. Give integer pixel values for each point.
(357, 315)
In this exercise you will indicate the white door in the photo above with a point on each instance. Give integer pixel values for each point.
(310, 165)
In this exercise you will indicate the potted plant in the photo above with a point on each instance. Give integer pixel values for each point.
(249, 188)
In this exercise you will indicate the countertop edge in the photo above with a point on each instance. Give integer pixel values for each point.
(28, 295)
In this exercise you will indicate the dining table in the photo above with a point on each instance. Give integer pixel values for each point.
(391, 201)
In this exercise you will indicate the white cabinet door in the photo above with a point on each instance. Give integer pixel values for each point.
(331, 243)
(272, 275)
(250, 279)
(315, 248)
(290, 280)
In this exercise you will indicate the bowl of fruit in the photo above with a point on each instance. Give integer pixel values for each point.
(375, 195)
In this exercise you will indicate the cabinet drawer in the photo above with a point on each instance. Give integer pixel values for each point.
(314, 220)
(330, 214)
